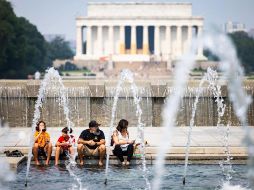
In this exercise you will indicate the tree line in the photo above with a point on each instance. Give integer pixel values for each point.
(23, 49)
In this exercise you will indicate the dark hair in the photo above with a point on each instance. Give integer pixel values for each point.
(66, 130)
(38, 123)
(123, 124)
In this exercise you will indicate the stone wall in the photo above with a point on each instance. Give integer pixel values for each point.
(94, 99)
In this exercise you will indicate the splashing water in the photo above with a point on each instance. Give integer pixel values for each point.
(70, 166)
(227, 186)
(226, 165)
(127, 76)
(6, 174)
(51, 82)
(211, 77)
(233, 72)
(194, 108)
(170, 111)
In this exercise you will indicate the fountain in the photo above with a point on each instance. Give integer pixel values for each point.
(127, 76)
(212, 78)
(232, 71)
(5, 173)
(37, 75)
(51, 82)
(52, 86)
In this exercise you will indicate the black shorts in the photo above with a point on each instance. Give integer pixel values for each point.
(64, 153)
(41, 152)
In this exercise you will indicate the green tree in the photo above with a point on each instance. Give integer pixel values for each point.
(245, 49)
(22, 47)
(58, 48)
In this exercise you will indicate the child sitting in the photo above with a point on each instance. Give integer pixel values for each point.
(64, 145)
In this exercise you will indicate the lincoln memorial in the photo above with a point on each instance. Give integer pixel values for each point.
(136, 32)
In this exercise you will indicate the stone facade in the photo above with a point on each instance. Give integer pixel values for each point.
(164, 32)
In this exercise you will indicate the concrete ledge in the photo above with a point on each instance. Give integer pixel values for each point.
(175, 155)
(180, 151)
(16, 162)
(169, 159)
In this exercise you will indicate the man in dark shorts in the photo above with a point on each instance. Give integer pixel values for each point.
(91, 142)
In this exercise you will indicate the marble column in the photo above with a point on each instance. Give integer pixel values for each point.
(145, 40)
(157, 40)
(89, 40)
(122, 40)
(200, 48)
(168, 47)
(79, 40)
(99, 41)
(179, 41)
(168, 40)
(133, 40)
(111, 40)
(189, 36)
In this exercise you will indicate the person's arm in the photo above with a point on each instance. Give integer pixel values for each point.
(102, 141)
(82, 141)
(60, 142)
(36, 137)
(47, 138)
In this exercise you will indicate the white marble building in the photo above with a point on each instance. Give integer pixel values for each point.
(231, 27)
(136, 32)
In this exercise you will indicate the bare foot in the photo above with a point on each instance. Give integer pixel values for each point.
(37, 163)
(123, 163)
(100, 163)
(127, 163)
(47, 163)
(81, 162)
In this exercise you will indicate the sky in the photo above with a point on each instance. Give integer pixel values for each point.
(58, 16)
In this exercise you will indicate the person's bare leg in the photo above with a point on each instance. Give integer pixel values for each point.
(102, 152)
(80, 149)
(58, 151)
(48, 149)
(71, 152)
(35, 153)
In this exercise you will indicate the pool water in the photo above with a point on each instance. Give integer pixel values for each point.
(92, 177)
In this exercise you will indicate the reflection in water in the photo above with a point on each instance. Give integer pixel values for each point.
(202, 177)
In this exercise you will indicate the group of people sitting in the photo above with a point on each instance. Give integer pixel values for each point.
(91, 142)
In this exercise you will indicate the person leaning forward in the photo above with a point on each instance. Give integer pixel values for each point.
(91, 142)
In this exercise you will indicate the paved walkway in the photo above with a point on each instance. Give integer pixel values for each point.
(202, 137)
(206, 144)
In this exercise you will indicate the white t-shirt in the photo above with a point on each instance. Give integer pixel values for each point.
(121, 137)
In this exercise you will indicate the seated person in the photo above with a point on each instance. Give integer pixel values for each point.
(91, 142)
(64, 144)
(122, 145)
(42, 144)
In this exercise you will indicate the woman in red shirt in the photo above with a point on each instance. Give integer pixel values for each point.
(64, 144)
